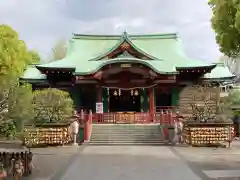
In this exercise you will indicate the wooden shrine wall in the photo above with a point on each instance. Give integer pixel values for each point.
(198, 95)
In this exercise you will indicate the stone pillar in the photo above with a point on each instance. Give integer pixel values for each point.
(88, 127)
(75, 130)
(151, 104)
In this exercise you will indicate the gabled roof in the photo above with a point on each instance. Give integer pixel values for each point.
(165, 53)
(32, 73)
(123, 39)
(220, 72)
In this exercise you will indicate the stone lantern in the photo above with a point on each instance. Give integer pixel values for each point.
(75, 129)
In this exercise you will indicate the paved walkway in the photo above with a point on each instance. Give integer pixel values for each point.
(136, 162)
(127, 163)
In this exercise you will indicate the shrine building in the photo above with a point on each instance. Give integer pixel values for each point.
(130, 73)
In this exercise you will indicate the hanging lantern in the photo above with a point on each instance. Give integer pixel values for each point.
(131, 92)
(136, 93)
(119, 92)
(115, 93)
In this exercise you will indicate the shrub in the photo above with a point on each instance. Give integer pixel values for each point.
(52, 105)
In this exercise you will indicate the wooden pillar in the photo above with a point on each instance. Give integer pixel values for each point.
(99, 94)
(151, 104)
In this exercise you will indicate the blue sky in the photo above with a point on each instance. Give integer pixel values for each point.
(41, 23)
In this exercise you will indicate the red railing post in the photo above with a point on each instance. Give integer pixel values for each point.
(81, 117)
(162, 117)
(165, 124)
(170, 117)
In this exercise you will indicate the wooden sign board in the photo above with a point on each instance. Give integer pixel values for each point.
(99, 107)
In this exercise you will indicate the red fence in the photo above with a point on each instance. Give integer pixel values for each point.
(162, 117)
(136, 117)
(166, 108)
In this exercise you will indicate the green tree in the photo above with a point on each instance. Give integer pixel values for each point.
(52, 105)
(14, 58)
(34, 57)
(226, 24)
(20, 106)
(59, 51)
(13, 52)
(234, 98)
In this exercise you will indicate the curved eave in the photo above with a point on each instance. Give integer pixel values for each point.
(45, 68)
(208, 67)
(123, 38)
(128, 60)
(33, 80)
(219, 79)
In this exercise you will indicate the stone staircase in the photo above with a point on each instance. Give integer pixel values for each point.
(126, 134)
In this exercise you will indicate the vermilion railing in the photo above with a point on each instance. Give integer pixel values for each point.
(166, 108)
(162, 117)
(128, 117)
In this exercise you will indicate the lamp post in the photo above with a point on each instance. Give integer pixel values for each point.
(75, 129)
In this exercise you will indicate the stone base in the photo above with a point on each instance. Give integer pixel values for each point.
(74, 144)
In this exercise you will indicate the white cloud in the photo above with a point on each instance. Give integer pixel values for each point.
(43, 22)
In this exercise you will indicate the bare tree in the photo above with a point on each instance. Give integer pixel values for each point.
(232, 63)
(59, 50)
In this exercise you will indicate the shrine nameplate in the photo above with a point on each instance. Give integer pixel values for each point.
(126, 65)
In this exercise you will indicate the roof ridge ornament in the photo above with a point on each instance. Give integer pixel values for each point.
(124, 43)
(125, 54)
(125, 36)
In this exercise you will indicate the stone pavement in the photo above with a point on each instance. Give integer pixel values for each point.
(128, 163)
(136, 162)
(47, 161)
(213, 163)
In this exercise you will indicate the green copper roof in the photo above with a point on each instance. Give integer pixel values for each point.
(124, 38)
(163, 68)
(33, 73)
(219, 72)
(85, 50)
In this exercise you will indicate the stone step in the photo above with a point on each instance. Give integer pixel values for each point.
(125, 127)
(127, 143)
(129, 129)
(142, 141)
(117, 126)
(126, 134)
(124, 139)
(125, 130)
